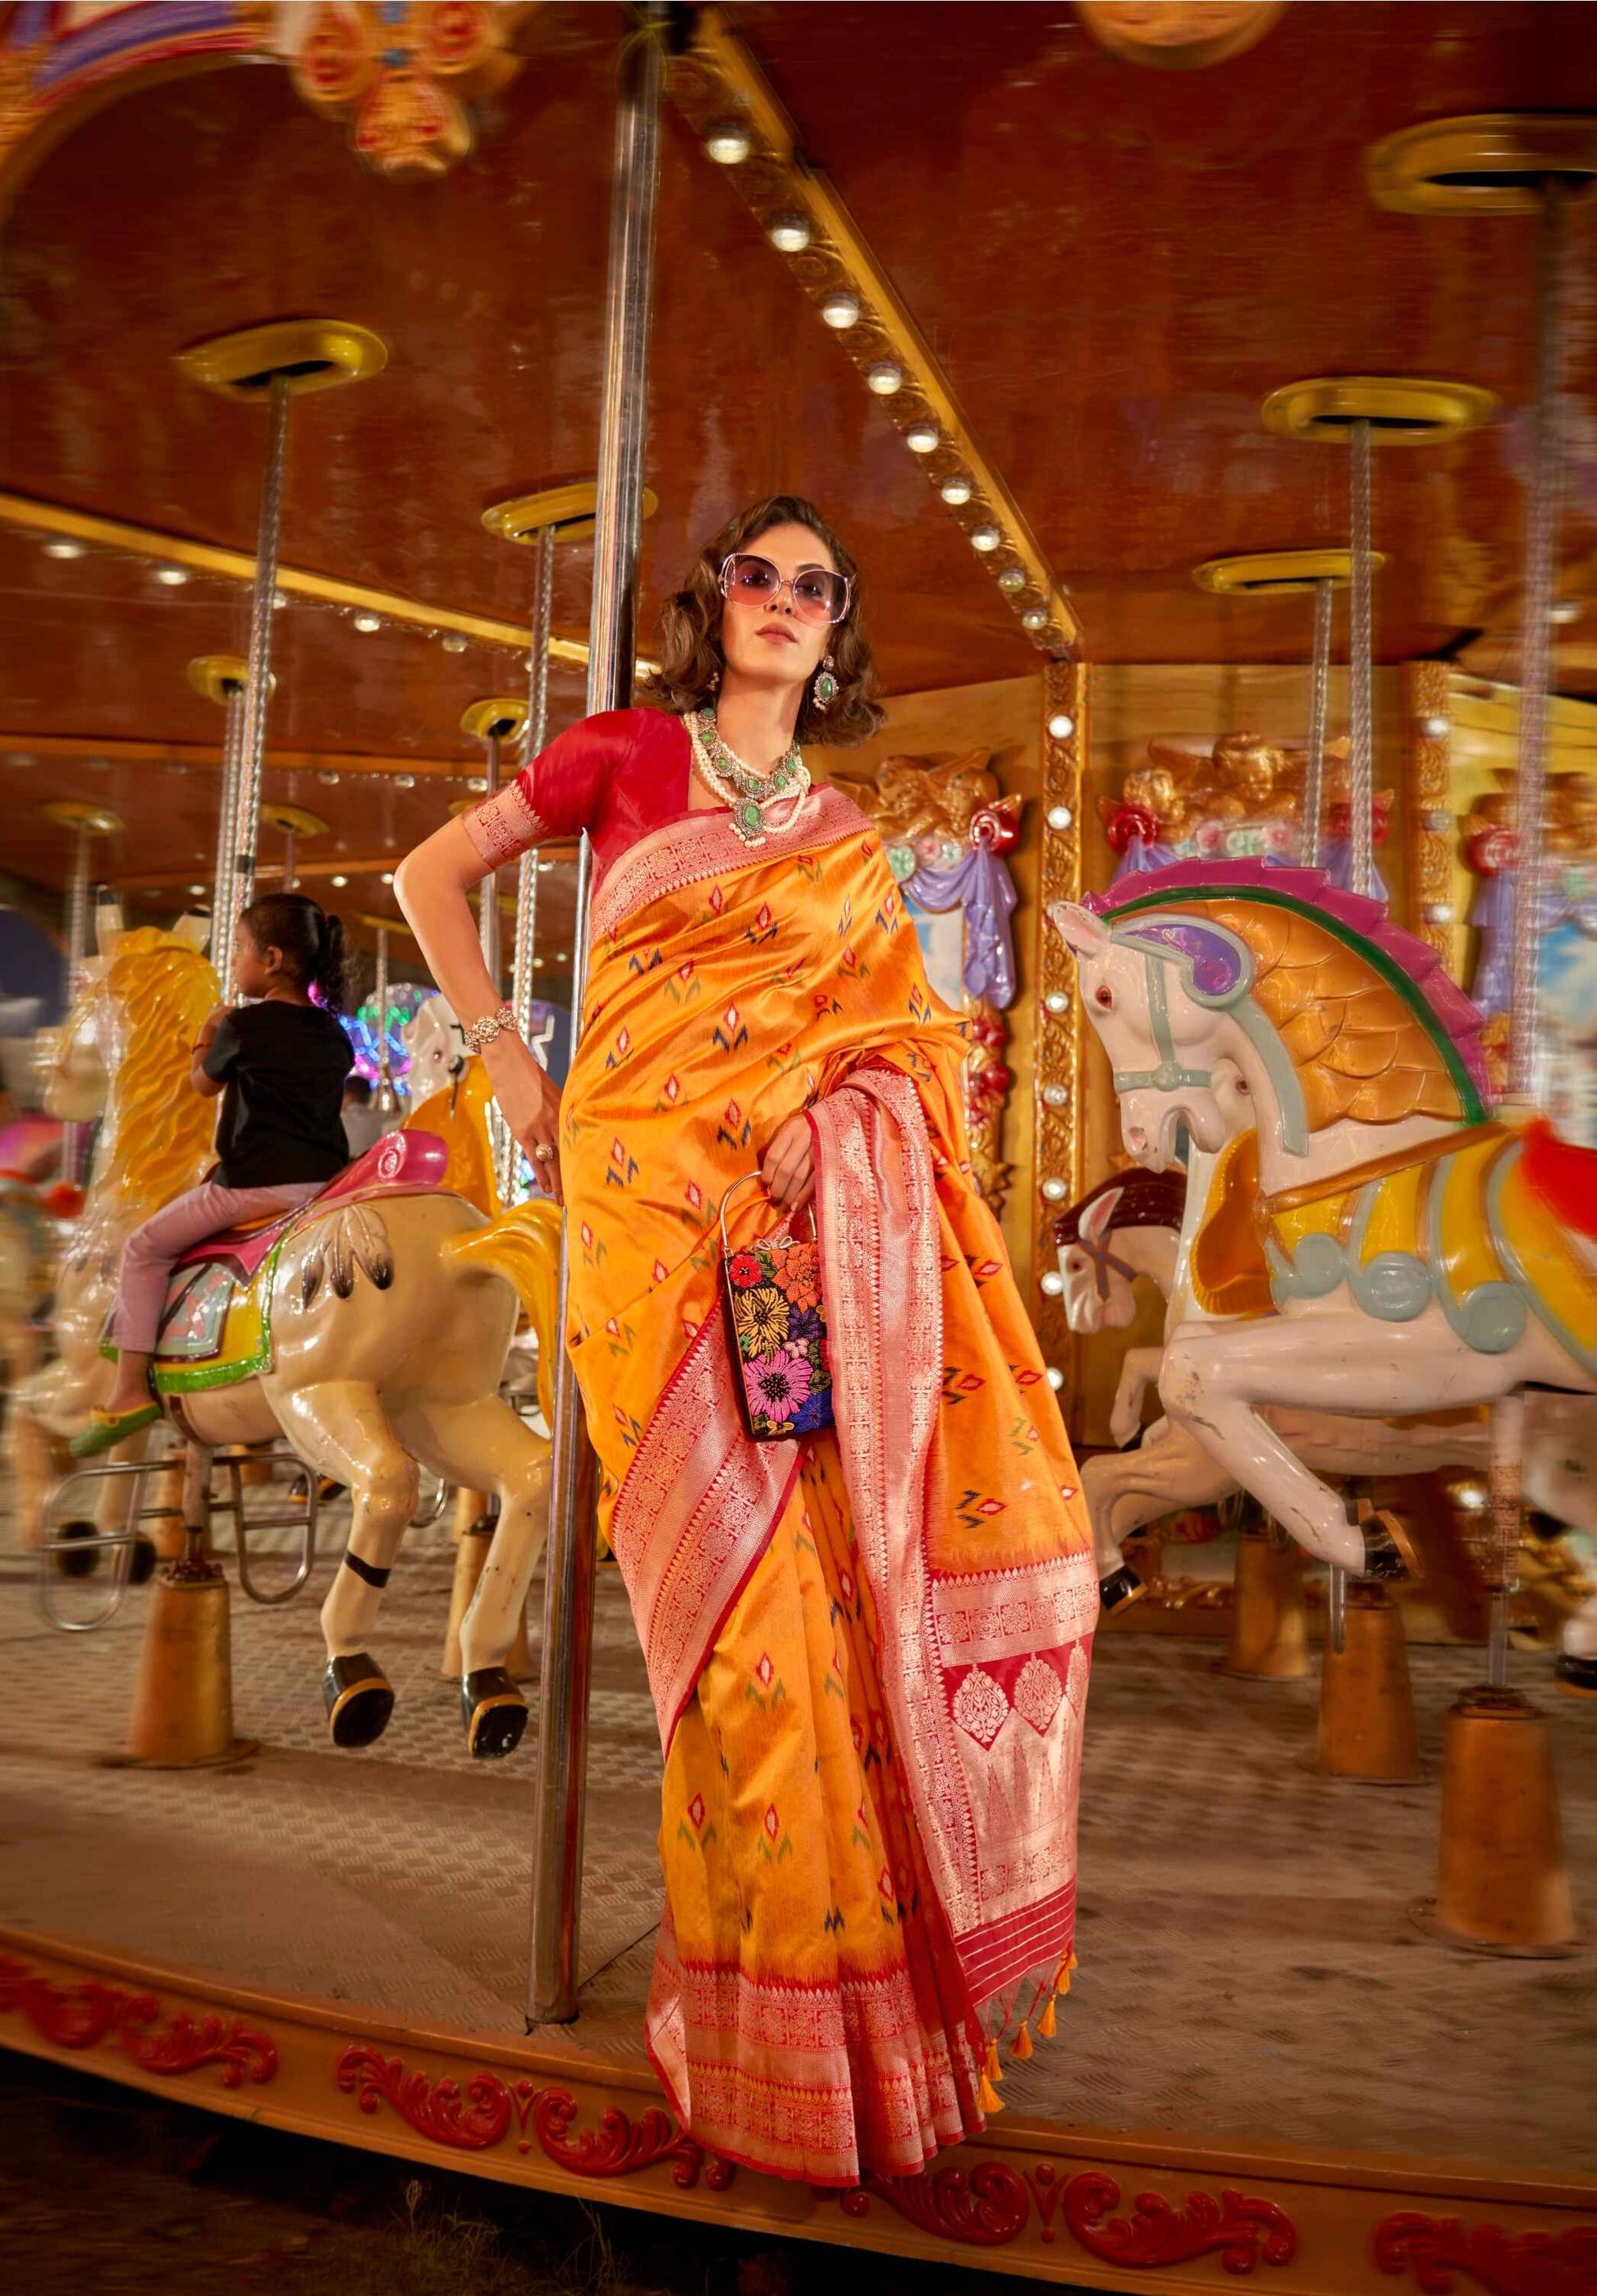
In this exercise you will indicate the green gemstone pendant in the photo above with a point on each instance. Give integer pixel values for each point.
(748, 817)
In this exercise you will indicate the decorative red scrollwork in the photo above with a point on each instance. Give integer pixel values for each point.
(984, 2207)
(1510, 2264)
(82, 2016)
(618, 2146)
(1242, 2230)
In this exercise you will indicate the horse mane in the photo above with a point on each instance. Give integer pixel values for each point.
(160, 1135)
(1333, 1028)
(1148, 1200)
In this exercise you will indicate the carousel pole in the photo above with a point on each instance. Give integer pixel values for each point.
(252, 732)
(385, 1099)
(221, 677)
(492, 721)
(569, 1583)
(512, 1185)
(85, 822)
(1319, 703)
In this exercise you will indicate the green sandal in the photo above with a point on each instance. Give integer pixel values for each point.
(108, 1427)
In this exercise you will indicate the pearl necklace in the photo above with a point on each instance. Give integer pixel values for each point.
(738, 786)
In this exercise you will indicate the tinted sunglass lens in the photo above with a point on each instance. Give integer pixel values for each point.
(816, 597)
(754, 577)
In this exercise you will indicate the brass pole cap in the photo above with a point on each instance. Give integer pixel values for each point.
(309, 355)
(1278, 573)
(497, 715)
(73, 813)
(218, 676)
(570, 510)
(1484, 163)
(295, 818)
(1402, 410)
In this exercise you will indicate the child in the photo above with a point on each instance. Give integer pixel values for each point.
(281, 1063)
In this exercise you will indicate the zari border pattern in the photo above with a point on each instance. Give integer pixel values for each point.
(702, 845)
(1071, 2205)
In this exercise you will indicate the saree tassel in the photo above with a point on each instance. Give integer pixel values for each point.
(988, 2098)
(993, 2070)
(1061, 1976)
(1022, 2049)
(1048, 2023)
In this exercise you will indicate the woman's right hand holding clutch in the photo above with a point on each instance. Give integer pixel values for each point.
(529, 1101)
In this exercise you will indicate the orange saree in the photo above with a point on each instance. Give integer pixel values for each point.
(868, 1648)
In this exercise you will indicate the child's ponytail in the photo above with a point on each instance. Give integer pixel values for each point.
(329, 974)
(311, 941)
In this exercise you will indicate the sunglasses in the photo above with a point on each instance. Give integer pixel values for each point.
(817, 595)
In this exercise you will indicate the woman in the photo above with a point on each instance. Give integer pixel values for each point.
(868, 1645)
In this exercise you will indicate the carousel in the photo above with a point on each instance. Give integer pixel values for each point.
(1205, 390)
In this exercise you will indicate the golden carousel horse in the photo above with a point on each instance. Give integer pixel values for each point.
(369, 1327)
(1419, 1255)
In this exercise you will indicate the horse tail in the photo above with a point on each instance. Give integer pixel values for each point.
(522, 1245)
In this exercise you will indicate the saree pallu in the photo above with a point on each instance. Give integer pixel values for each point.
(868, 1649)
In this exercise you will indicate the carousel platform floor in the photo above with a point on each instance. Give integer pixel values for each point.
(1249, 1978)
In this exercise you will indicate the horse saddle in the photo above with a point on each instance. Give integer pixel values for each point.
(216, 1326)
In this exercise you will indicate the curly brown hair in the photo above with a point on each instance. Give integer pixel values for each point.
(690, 624)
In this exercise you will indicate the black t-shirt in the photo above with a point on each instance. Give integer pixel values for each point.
(284, 1067)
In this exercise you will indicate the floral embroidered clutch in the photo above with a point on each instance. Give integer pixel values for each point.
(776, 1331)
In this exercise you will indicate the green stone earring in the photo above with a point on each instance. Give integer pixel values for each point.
(826, 686)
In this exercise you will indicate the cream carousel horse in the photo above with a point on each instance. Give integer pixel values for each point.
(1421, 1257)
(1135, 1225)
(369, 1328)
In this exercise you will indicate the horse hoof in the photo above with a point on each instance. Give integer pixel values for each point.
(1577, 1676)
(494, 1711)
(1120, 1590)
(359, 1699)
(84, 1563)
(1388, 1550)
(142, 1562)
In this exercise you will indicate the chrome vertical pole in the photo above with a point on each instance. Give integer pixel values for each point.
(1319, 702)
(252, 736)
(1361, 650)
(385, 1099)
(1536, 636)
(227, 841)
(488, 892)
(75, 1137)
(511, 1186)
(569, 1584)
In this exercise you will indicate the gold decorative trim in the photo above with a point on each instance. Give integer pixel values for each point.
(1058, 1065)
(239, 566)
(1402, 410)
(719, 79)
(1482, 163)
(1074, 2205)
(1428, 824)
(1277, 573)
(306, 353)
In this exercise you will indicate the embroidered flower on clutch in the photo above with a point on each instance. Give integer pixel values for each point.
(777, 1331)
(780, 1382)
(765, 1325)
(744, 1269)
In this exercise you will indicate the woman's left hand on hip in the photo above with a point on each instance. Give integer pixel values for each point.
(787, 1167)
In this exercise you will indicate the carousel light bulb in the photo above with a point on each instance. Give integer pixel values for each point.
(884, 377)
(368, 622)
(404, 781)
(1061, 726)
(728, 143)
(545, 867)
(840, 311)
(789, 233)
(280, 598)
(21, 758)
(328, 775)
(1435, 729)
(62, 546)
(1057, 1002)
(1439, 913)
(1053, 1283)
(1060, 817)
(453, 641)
(955, 491)
(1436, 824)
(1035, 618)
(387, 876)
(1056, 1096)
(340, 882)
(1056, 1378)
(922, 438)
(196, 889)
(1568, 610)
(1011, 577)
(986, 537)
(1054, 1189)
(173, 576)
(476, 781)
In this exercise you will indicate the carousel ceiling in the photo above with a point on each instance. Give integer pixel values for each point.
(1112, 266)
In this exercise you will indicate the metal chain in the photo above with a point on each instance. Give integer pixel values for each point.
(1319, 699)
(1361, 646)
(1536, 638)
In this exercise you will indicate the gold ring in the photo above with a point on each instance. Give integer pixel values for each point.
(545, 1154)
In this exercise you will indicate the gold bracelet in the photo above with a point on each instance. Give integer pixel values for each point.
(491, 1025)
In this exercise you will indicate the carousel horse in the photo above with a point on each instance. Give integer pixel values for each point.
(450, 1095)
(369, 1327)
(1419, 1256)
(1134, 1226)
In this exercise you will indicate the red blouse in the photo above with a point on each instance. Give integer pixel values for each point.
(617, 775)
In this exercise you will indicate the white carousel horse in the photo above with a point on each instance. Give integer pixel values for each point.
(1421, 1257)
(1133, 1226)
(369, 1328)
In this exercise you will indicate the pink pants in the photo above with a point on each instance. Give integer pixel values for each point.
(148, 1255)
